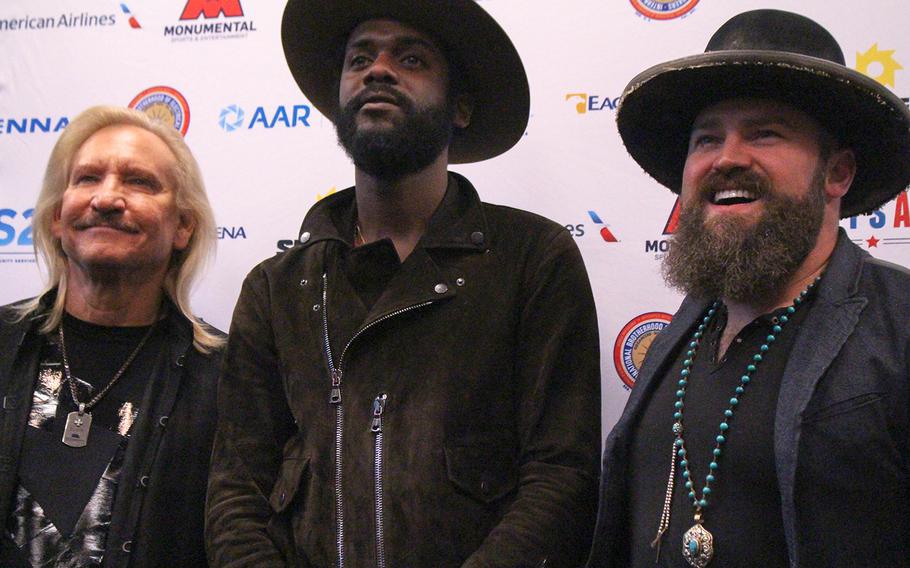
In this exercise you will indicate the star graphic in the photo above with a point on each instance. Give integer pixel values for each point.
(872, 241)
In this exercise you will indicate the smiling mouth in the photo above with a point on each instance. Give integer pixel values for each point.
(113, 227)
(733, 197)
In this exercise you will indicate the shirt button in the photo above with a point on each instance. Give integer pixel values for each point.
(441, 288)
(304, 236)
(460, 281)
(477, 238)
(127, 546)
(144, 481)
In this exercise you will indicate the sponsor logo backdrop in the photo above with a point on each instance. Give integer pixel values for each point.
(267, 155)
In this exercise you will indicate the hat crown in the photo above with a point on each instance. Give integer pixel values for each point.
(776, 30)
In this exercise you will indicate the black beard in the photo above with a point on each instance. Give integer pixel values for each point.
(405, 148)
(729, 259)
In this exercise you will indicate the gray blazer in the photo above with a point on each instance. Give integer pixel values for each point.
(841, 429)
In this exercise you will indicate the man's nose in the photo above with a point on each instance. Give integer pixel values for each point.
(109, 195)
(382, 69)
(732, 154)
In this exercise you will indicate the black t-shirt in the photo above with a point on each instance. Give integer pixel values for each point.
(744, 509)
(65, 495)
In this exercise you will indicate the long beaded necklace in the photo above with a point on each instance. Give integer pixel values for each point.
(698, 543)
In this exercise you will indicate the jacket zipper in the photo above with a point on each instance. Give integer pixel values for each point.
(336, 372)
(376, 428)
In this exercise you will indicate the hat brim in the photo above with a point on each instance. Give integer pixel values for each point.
(658, 107)
(314, 32)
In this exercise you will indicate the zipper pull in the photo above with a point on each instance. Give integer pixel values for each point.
(335, 397)
(378, 407)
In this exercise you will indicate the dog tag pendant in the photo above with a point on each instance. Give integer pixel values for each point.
(78, 422)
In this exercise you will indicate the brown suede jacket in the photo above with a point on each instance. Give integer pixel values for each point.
(456, 423)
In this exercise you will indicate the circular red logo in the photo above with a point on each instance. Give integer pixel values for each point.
(633, 342)
(663, 10)
(165, 104)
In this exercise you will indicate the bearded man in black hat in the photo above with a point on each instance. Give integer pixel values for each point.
(417, 382)
(781, 386)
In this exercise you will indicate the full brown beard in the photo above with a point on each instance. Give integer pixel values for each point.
(730, 258)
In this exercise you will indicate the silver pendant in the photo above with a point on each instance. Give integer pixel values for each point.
(698, 546)
(75, 433)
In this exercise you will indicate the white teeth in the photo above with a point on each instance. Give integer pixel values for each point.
(733, 194)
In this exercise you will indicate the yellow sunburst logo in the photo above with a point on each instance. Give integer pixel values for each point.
(885, 58)
(320, 197)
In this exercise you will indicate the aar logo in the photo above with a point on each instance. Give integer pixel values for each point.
(231, 117)
(165, 104)
(878, 60)
(585, 103)
(633, 342)
(663, 9)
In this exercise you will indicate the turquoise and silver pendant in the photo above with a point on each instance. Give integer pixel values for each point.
(698, 546)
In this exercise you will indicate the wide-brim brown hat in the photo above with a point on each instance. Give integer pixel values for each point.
(314, 33)
(777, 55)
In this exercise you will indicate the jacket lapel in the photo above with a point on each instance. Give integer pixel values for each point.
(830, 321)
(605, 551)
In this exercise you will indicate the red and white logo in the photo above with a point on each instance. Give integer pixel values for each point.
(633, 342)
(663, 9)
(211, 9)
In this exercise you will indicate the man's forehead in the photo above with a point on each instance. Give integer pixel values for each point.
(387, 30)
(749, 111)
(127, 147)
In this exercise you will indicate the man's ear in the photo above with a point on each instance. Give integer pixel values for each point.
(464, 108)
(184, 231)
(56, 223)
(839, 172)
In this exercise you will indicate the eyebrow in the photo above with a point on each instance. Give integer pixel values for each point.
(122, 169)
(748, 122)
(398, 43)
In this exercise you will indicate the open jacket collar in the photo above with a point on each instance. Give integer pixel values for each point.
(454, 224)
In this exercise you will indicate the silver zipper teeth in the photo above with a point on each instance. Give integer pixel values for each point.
(376, 428)
(336, 373)
(376, 322)
(339, 421)
(339, 508)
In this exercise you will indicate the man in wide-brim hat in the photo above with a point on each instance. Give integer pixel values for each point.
(417, 382)
(780, 390)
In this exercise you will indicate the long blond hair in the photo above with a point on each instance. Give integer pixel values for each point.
(185, 265)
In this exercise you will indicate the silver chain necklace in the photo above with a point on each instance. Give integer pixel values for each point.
(78, 422)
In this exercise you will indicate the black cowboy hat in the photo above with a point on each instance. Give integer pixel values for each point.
(314, 33)
(773, 55)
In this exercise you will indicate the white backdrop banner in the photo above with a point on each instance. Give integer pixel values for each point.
(267, 155)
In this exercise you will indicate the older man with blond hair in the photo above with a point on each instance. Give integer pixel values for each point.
(107, 379)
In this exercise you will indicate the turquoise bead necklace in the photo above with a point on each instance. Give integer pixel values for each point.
(698, 543)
